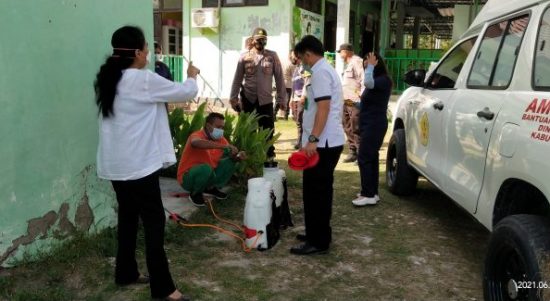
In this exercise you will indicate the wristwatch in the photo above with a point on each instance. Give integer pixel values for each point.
(312, 139)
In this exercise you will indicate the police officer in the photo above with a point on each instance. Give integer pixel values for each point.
(352, 86)
(254, 75)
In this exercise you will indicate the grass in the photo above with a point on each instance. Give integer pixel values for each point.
(417, 248)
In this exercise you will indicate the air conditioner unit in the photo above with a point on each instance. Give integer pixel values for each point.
(204, 18)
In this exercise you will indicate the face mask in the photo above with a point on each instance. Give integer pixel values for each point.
(216, 134)
(159, 57)
(260, 44)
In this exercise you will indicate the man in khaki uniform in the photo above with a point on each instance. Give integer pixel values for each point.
(352, 86)
(254, 80)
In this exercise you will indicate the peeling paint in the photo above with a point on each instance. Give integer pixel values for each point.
(65, 227)
(35, 227)
(39, 227)
(84, 216)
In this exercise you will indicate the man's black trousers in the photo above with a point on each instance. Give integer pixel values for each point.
(266, 118)
(317, 195)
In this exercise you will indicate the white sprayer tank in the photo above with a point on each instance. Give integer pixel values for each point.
(257, 211)
(276, 176)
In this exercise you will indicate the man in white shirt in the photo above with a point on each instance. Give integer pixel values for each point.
(323, 134)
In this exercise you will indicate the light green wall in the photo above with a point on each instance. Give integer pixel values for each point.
(217, 53)
(50, 53)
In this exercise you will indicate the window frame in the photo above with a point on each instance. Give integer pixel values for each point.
(508, 18)
(434, 72)
(533, 85)
(205, 3)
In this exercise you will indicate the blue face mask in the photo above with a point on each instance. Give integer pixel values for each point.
(216, 134)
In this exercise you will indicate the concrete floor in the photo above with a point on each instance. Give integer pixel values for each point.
(177, 204)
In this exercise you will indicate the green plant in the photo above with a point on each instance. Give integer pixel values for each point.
(254, 141)
(229, 126)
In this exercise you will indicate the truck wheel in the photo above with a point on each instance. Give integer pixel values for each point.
(400, 177)
(517, 266)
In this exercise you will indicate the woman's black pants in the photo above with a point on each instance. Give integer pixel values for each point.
(141, 199)
(372, 136)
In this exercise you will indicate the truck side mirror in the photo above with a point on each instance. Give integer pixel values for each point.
(415, 78)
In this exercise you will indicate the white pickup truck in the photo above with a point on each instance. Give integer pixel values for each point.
(477, 126)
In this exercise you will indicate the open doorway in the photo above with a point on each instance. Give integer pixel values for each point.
(168, 32)
(331, 13)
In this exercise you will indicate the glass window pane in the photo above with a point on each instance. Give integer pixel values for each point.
(172, 4)
(496, 58)
(486, 55)
(447, 72)
(541, 74)
(509, 51)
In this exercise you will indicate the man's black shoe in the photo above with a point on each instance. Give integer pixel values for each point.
(307, 249)
(197, 199)
(215, 192)
(301, 237)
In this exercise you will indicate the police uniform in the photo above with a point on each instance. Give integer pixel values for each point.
(253, 80)
(352, 86)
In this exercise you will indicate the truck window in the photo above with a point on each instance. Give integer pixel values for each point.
(541, 70)
(496, 57)
(448, 70)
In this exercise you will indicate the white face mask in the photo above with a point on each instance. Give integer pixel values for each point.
(216, 134)
(159, 57)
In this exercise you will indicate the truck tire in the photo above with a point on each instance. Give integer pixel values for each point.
(400, 177)
(517, 265)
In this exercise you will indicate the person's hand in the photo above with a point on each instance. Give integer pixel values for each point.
(302, 100)
(192, 71)
(234, 150)
(371, 60)
(310, 149)
(241, 156)
(235, 104)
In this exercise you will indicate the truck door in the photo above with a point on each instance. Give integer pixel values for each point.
(425, 136)
(470, 119)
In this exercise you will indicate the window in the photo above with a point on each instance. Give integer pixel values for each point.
(541, 69)
(311, 5)
(495, 60)
(447, 72)
(230, 3)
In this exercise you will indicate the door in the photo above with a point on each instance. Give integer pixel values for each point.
(470, 120)
(426, 141)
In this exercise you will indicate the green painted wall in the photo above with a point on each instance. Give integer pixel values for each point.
(50, 53)
(217, 53)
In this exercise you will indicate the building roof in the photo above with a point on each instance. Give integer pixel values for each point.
(436, 16)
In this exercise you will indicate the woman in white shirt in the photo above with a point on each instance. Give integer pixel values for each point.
(134, 143)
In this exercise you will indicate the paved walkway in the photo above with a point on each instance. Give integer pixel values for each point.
(177, 204)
